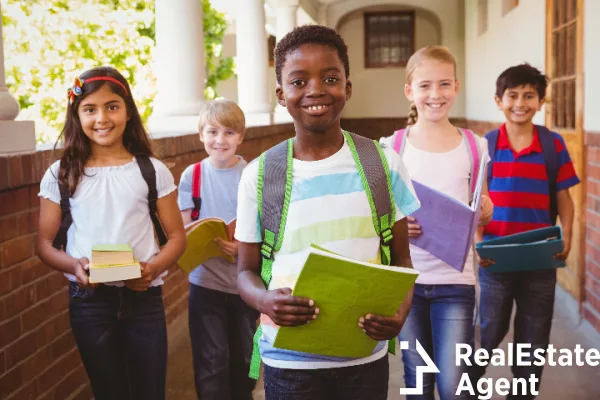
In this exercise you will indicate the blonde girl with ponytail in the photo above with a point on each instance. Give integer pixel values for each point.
(436, 154)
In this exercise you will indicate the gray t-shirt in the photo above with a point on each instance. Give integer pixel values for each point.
(219, 194)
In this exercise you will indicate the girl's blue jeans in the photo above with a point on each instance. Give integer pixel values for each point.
(122, 338)
(440, 317)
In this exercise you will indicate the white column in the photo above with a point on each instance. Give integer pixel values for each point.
(15, 136)
(322, 15)
(179, 66)
(287, 17)
(287, 20)
(252, 61)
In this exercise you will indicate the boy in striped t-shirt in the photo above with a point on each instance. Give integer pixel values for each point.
(328, 207)
(521, 193)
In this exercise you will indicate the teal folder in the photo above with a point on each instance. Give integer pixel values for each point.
(527, 251)
(344, 290)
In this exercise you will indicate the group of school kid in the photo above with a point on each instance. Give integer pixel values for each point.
(107, 187)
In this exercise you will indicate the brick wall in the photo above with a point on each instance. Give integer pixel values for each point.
(591, 307)
(38, 356)
(376, 128)
(482, 127)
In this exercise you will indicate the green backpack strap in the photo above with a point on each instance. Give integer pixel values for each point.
(274, 191)
(374, 172)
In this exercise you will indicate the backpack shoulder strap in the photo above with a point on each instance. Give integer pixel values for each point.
(374, 172)
(474, 158)
(375, 175)
(551, 160)
(149, 175)
(196, 182)
(273, 197)
(274, 191)
(492, 139)
(60, 240)
(400, 140)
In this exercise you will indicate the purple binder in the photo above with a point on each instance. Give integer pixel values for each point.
(447, 225)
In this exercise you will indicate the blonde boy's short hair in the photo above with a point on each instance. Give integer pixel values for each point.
(222, 112)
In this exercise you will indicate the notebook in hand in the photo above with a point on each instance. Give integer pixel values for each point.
(344, 290)
(447, 224)
(201, 244)
(527, 251)
(111, 263)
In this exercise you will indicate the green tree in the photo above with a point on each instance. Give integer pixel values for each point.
(217, 68)
(47, 43)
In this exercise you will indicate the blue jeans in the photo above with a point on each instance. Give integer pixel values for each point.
(360, 382)
(440, 317)
(221, 329)
(122, 338)
(533, 293)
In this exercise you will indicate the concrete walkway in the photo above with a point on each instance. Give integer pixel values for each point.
(559, 383)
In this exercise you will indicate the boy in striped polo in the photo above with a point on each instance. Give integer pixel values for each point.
(522, 194)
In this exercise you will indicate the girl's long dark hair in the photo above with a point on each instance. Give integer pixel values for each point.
(76, 145)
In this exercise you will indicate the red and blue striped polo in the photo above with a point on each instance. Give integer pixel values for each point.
(519, 187)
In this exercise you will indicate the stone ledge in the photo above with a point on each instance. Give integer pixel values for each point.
(17, 137)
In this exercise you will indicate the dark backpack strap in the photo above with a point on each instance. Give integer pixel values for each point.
(375, 170)
(551, 160)
(60, 240)
(196, 185)
(149, 174)
(492, 139)
(274, 191)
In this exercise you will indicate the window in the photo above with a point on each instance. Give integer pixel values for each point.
(508, 5)
(564, 64)
(482, 16)
(389, 38)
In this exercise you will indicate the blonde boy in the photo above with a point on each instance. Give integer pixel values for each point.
(221, 324)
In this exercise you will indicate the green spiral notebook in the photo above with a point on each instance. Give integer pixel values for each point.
(344, 290)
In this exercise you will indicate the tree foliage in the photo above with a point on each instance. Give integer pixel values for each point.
(47, 43)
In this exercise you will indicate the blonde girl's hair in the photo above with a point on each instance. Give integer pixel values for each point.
(222, 112)
(429, 53)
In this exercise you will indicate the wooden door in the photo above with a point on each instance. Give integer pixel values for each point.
(564, 114)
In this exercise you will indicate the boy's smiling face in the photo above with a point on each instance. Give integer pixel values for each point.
(314, 87)
(221, 143)
(519, 104)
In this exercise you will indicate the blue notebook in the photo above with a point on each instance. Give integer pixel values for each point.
(447, 224)
(527, 251)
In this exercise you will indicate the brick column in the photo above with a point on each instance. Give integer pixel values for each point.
(591, 308)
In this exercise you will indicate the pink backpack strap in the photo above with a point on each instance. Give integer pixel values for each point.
(474, 158)
(196, 183)
(399, 141)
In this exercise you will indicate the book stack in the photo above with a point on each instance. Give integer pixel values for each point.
(113, 262)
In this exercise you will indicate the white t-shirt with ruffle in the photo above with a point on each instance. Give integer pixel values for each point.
(110, 206)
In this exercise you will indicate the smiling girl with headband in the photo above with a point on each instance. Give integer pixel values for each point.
(107, 188)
